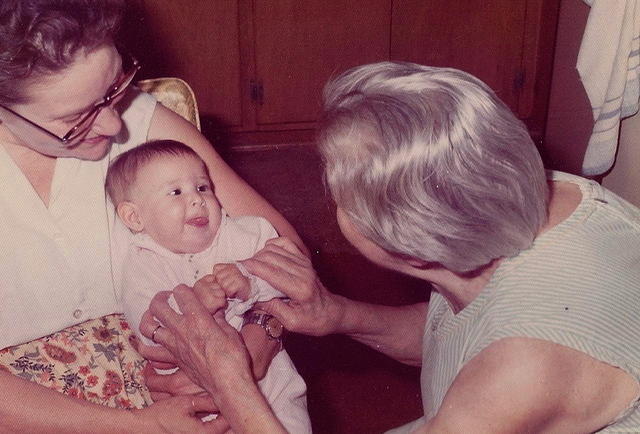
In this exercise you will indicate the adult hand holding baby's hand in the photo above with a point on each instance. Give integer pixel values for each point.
(209, 351)
(232, 281)
(312, 309)
(212, 354)
(210, 293)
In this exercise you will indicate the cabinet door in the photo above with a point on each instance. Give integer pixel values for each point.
(482, 37)
(299, 45)
(197, 40)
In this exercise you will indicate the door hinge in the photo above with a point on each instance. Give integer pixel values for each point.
(256, 91)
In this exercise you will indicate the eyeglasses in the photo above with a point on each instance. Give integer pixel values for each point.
(129, 64)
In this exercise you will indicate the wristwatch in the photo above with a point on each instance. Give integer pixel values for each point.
(270, 324)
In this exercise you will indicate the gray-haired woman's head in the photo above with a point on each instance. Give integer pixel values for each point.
(428, 162)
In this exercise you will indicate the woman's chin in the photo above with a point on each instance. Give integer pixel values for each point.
(91, 150)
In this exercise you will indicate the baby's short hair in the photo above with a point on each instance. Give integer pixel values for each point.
(124, 170)
(428, 162)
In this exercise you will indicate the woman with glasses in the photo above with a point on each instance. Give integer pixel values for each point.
(67, 108)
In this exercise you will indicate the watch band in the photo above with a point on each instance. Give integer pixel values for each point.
(272, 327)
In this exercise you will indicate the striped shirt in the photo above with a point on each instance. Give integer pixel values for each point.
(578, 285)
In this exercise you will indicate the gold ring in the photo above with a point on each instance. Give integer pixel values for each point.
(155, 330)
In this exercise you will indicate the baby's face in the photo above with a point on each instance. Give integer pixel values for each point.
(176, 205)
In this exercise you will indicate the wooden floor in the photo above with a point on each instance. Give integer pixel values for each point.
(351, 389)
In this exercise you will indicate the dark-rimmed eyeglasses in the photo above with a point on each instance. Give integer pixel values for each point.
(130, 67)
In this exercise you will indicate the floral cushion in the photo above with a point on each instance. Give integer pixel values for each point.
(175, 94)
(95, 361)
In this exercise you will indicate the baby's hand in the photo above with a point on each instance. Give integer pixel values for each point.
(231, 280)
(210, 294)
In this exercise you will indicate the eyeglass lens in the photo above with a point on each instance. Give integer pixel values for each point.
(131, 66)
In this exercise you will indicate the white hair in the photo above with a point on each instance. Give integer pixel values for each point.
(428, 162)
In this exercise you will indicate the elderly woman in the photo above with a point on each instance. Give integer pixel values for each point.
(67, 108)
(532, 323)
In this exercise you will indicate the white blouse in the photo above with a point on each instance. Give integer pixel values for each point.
(55, 263)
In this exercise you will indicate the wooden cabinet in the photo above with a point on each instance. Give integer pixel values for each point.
(300, 44)
(506, 43)
(481, 37)
(258, 66)
(196, 40)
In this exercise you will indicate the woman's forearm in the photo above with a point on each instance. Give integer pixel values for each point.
(27, 407)
(261, 348)
(394, 331)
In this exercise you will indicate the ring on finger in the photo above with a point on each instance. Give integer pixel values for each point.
(153, 333)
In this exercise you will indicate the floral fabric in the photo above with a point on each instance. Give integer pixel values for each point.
(95, 361)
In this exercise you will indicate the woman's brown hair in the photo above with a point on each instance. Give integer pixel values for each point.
(40, 37)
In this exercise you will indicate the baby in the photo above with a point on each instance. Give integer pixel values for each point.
(163, 193)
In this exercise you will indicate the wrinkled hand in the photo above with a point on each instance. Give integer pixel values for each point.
(212, 298)
(232, 281)
(209, 351)
(179, 415)
(312, 309)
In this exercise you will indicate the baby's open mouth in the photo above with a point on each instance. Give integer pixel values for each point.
(198, 221)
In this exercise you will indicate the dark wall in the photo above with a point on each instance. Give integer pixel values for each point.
(569, 121)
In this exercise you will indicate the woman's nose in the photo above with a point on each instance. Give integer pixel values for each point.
(108, 122)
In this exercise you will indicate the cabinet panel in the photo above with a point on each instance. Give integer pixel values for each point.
(299, 45)
(197, 40)
(482, 37)
(258, 66)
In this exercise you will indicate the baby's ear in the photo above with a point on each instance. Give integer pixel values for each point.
(128, 213)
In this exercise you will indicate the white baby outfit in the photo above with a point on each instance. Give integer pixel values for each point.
(150, 268)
